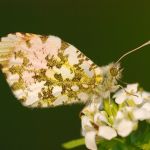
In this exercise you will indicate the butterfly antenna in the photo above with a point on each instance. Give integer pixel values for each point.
(122, 82)
(131, 51)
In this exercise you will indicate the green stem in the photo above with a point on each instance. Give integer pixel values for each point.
(74, 143)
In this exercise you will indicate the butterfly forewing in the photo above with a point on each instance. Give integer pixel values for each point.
(45, 71)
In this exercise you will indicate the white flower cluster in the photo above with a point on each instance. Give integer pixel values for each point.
(117, 116)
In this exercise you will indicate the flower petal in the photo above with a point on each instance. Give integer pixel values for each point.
(86, 124)
(100, 117)
(132, 87)
(107, 132)
(137, 99)
(141, 114)
(146, 106)
(120, 99)
(90, 140)
(146, 95)
(124, 127)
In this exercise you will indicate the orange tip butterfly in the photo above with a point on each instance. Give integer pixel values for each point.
(45, 71)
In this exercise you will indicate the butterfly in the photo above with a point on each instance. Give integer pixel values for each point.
(45, 71)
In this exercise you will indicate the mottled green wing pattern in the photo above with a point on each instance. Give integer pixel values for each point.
(44, 71)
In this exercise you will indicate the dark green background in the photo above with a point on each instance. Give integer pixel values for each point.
(102, 29)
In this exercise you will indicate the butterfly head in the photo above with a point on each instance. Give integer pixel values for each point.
(115, 71)
(111, 74)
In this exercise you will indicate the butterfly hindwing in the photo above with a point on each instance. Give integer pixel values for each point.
(45, 71)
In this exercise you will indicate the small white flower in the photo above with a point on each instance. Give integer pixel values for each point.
(143, 111)
(91, 108)
(146, 95)
(107, 132)
(125, 127)
(101, 117)
(141, 114)
(86, 124)
(89, 132)
(97, 122)
(88, 129)
(124, 112)
(129, 93)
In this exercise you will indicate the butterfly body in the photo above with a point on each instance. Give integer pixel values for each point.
(44, 71)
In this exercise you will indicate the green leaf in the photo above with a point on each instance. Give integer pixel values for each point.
(73, 143)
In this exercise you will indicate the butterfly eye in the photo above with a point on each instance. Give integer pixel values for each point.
(114, 71)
